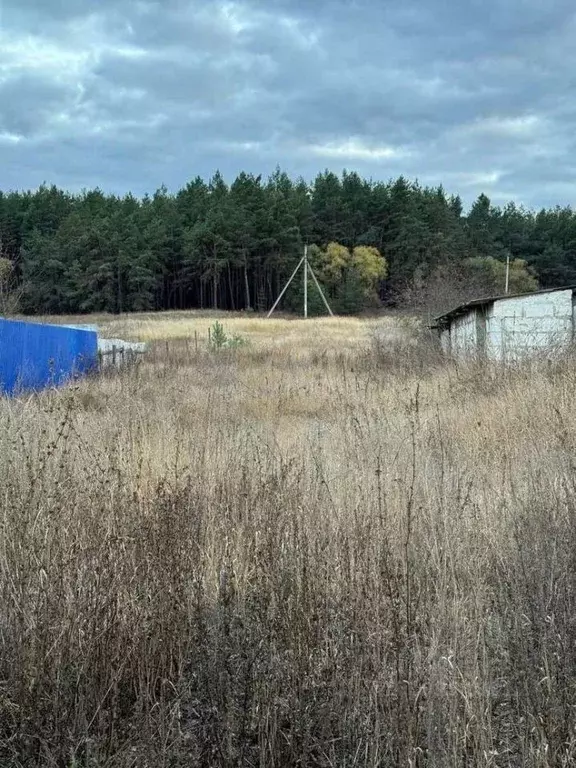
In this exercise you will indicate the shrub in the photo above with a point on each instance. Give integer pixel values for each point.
(219, 339)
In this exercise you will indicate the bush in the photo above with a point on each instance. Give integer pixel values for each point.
(451, 284)
(219, 339)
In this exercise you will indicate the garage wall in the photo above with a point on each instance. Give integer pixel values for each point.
(519, 326)
(463, 335)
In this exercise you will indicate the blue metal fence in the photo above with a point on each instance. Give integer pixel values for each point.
(34, 356)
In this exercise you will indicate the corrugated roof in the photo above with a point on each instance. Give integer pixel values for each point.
(442, 320)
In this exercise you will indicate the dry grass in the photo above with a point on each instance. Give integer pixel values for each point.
(279, 333)
(281, 556)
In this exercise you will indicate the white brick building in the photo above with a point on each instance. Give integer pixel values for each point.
(510, 327)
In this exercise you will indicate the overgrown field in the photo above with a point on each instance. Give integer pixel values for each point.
(322, 548)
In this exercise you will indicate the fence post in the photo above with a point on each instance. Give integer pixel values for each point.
(114, 355)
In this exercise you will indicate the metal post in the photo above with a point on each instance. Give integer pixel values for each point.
(507, 274)
(305, 281)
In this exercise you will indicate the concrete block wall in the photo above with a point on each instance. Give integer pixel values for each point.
(517, 327)
(117, 352)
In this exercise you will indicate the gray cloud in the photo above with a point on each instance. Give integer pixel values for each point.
(130, 94)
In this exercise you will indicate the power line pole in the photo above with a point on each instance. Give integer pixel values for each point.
(307, 268)
(305, 281)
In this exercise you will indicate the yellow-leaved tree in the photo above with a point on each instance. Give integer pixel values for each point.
(370, 265)
(330, 262)
(351, 279)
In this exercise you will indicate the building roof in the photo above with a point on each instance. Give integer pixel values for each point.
(442, 321)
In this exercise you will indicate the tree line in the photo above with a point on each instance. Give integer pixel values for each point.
(233, 246)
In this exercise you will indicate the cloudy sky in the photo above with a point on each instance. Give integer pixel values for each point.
(479, 95)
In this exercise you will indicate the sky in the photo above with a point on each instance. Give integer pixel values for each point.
(128, 95)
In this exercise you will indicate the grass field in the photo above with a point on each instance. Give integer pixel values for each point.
(290, 334)
(324, 548)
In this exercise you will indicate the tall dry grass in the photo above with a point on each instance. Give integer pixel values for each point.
(278, 557)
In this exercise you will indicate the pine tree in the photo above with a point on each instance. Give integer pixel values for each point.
(234, 247)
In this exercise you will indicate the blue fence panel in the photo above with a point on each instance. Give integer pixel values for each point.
(34, 356)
